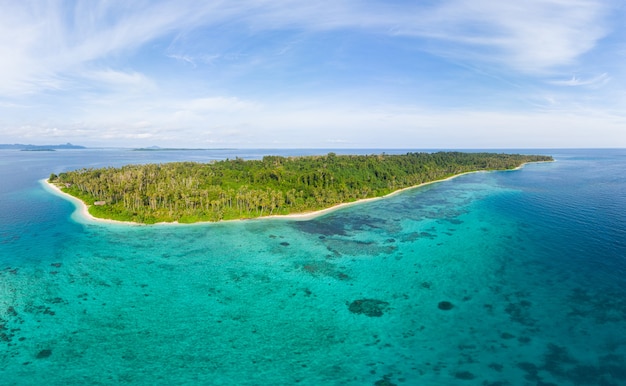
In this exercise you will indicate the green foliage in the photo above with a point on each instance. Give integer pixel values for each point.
(232, 189)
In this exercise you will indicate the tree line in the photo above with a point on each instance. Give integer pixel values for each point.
(233, 189)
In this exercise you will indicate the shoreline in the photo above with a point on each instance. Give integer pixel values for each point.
(82, 215)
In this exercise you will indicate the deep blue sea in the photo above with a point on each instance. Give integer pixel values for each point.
(498, 278)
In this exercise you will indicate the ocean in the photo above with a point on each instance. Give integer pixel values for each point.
(492, 278)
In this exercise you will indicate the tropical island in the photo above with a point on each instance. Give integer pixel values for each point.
(188, 192)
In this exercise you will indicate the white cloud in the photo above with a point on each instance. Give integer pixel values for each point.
(301, 124)
(184, 58)
(42, 42)
(530, 36)
(595, 81)
(213, 104)
(82, 51)
(119, 79)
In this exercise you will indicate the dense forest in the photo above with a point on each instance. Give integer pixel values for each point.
(233, 189)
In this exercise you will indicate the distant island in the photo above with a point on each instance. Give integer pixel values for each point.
(157, 148)
(188, 192)
(19, 146)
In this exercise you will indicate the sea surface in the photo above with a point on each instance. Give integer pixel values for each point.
(491, 278)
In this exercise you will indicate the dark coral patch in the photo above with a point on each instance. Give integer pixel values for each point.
(44, 353)
(324, 268)
(368, 307)
(445, 305)
(465, 375)
(384, 382)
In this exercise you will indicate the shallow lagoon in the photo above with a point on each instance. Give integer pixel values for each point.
(491, 278)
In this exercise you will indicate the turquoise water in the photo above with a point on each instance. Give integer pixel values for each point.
(504, 278)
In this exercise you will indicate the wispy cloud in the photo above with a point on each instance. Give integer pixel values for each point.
(43, 41)
(184, 58)
(258, 70)
(40, 41)
(595, 81)
(223, 104)
(529, 36)
(126, 81)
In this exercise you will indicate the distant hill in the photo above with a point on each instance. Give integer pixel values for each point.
(19, 146)
(157, 148)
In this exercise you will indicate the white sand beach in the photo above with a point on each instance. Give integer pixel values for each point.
(82, 214)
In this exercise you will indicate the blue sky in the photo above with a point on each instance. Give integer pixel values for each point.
(323, 74)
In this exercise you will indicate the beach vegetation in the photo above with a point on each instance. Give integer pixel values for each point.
(237, 189)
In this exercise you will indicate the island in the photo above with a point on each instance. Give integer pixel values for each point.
(188, 192)
(22, 147)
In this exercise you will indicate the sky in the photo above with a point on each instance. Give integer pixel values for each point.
(324, 74)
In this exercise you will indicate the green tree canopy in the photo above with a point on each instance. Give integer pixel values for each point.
(233, 189)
